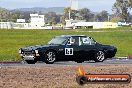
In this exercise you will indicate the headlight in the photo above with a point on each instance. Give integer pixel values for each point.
(20, 51)
(36, 51)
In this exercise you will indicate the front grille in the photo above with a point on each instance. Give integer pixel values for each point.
(28, 53)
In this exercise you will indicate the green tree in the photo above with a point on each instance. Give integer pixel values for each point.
(85, 14)
(62, 20)
(102, 16)
(53, 21)
(6, 15)
(52, 18)
(66, 12)
(130, 3)
(115, 19)
(73, 13)
(120, 8)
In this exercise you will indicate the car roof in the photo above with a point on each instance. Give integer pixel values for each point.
(72, 36)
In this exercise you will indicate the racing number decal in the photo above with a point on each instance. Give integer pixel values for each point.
(68, 51)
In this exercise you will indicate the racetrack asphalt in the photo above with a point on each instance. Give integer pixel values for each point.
(70, 63)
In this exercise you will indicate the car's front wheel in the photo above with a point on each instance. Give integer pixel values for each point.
(50, 57)
(31, 61)
(99, 56)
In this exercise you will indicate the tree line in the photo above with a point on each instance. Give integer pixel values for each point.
(6, 15)
(52, 18)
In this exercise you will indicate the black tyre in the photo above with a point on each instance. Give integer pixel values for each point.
(50, 57)
(99, 56)
(81, 80)
(79, 61)
(31, 61)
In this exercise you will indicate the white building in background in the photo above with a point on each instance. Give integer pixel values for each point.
(71, 23)
(37, 21)
(21, 21)
(21, 24)
(95, 25)
(6, 25)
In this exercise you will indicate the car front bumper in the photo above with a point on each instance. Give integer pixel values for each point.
(28, 57)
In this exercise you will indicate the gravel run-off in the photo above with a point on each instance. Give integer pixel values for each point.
(57, 76)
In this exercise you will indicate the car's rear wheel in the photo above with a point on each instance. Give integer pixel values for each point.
(31, 61)
(50, 57)
(99, 56)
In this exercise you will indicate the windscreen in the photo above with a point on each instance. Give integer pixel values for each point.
(58, 41)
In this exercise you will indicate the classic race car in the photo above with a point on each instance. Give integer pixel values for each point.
(77, 48)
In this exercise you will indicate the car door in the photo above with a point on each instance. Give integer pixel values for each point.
(72, 48)
(87, 47)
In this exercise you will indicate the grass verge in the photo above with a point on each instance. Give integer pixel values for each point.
(12, 40)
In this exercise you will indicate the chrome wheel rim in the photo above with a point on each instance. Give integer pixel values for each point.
(100, 56)
(51, 56)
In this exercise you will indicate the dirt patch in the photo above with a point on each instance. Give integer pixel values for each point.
(56, 76)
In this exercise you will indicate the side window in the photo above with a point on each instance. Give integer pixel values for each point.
(73, 41)
(87, 41)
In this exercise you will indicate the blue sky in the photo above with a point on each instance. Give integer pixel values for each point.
(93, 5)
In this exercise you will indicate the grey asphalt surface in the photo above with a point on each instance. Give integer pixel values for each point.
(71, 63)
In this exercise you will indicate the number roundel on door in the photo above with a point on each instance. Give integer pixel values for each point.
(68, 51)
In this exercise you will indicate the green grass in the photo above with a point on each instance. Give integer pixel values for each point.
(12, 40)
